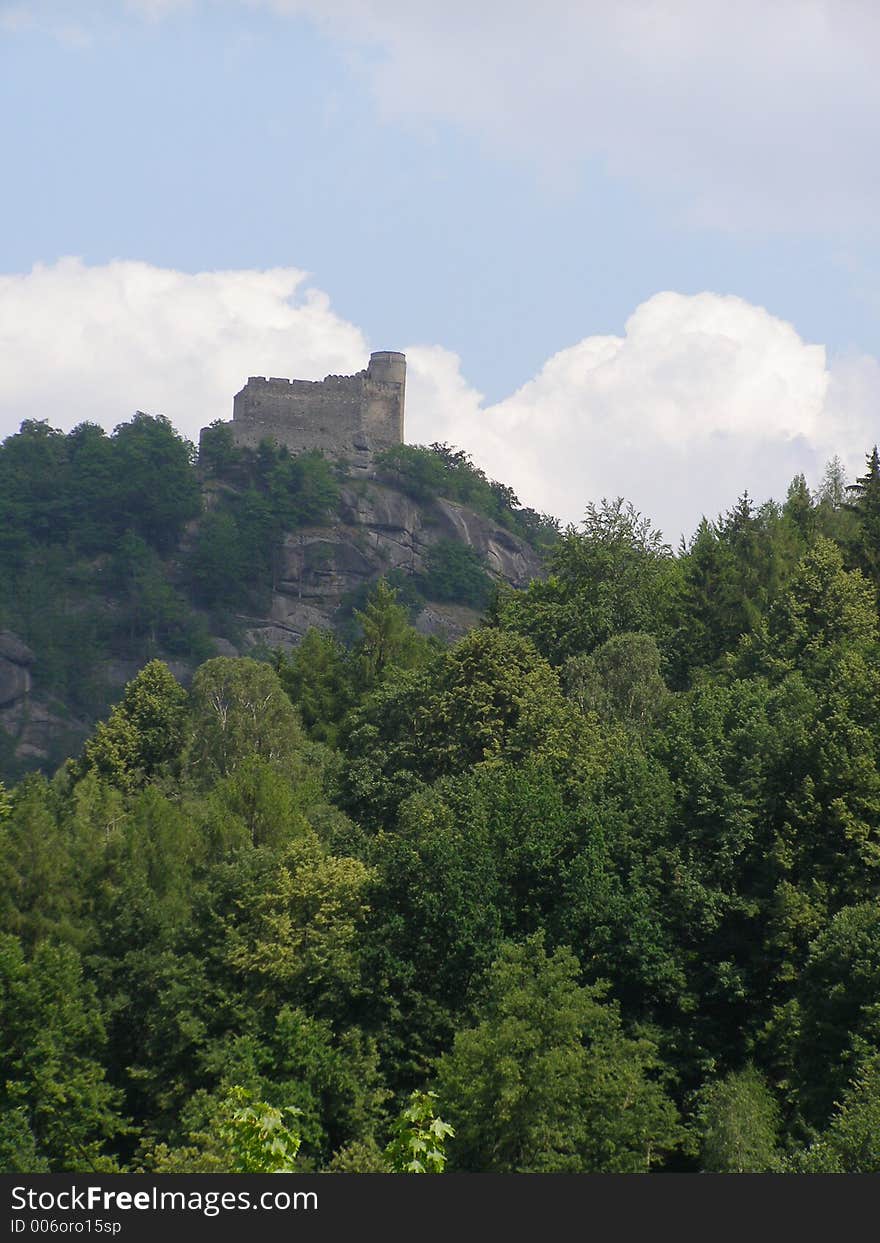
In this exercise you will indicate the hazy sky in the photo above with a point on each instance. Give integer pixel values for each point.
(628, 249)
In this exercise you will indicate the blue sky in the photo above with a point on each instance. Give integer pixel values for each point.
(486, 191)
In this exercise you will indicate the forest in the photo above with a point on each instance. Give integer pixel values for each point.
(592, 889)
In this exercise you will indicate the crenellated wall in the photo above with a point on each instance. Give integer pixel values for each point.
(349, 417)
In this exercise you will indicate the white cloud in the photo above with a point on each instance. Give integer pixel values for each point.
(80, 342)
(751, 115)
(701, 397)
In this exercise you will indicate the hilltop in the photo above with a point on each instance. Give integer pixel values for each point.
(118, 549)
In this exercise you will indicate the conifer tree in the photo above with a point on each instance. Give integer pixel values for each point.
(865, 504)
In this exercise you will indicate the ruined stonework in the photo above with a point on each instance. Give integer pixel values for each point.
(345, 416)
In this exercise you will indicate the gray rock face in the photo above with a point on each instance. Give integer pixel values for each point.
(38, 732)
(32, 725)
(507, 556)
(288, 620)
(12, 649)
(381, 529)
(15, 657)
(15, 682)
(448, 622)
(377, 506)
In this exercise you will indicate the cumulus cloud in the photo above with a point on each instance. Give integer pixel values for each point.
(80, 342)
(702, 397)
(699, 397)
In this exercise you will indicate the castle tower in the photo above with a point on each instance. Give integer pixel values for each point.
(389, 366)
(349, 417)
(387, 371)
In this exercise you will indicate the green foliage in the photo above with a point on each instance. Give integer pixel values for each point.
(621, 681)
(296, 932)
(219, 567)
(38, 890)
(834, 516)
(290, 1058)
(256, 1137)
(89, 522)
(474, 860)
(824, 611)
(851, 1142)
(157, 482)
(234, 558)
(609, 861)
(255, 804)
(615, 575)
(418, 1144)
(239, 709)
(387, 639)
(218, 453)
(839, 996)
(59, 1108)
(419, 471)
(143, 733)
(18, 1144)
(84, 490)
(238, 1134)
(35, 502)
(488, 699)
(441, 470)
(865, 506)
(318, 677)
(732, 572)
(738, 1123)
(456, 572)
(547, 1082)
(154, 615)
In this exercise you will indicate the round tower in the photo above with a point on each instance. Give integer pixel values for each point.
(383, 411)
(389, 366)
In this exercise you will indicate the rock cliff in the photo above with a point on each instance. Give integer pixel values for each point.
(31, 727)
(378, 528)
(381, 529)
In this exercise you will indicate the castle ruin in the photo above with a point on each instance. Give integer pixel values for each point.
(345, 416)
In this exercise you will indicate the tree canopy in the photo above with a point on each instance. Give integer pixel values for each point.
(595, 887)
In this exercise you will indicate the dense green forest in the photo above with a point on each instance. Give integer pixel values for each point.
(602, 876)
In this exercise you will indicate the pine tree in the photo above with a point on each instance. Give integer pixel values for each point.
(866, 506)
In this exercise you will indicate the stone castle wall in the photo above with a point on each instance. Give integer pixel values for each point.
(349, 417)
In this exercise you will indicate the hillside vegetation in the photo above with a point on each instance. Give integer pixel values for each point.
(115, 549)
(603, 874)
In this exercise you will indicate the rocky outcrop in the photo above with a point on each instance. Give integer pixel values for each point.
(507, 557)
(448, 622)
(15, 661)
(32, 728)
(37, 732)
(381, 529)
